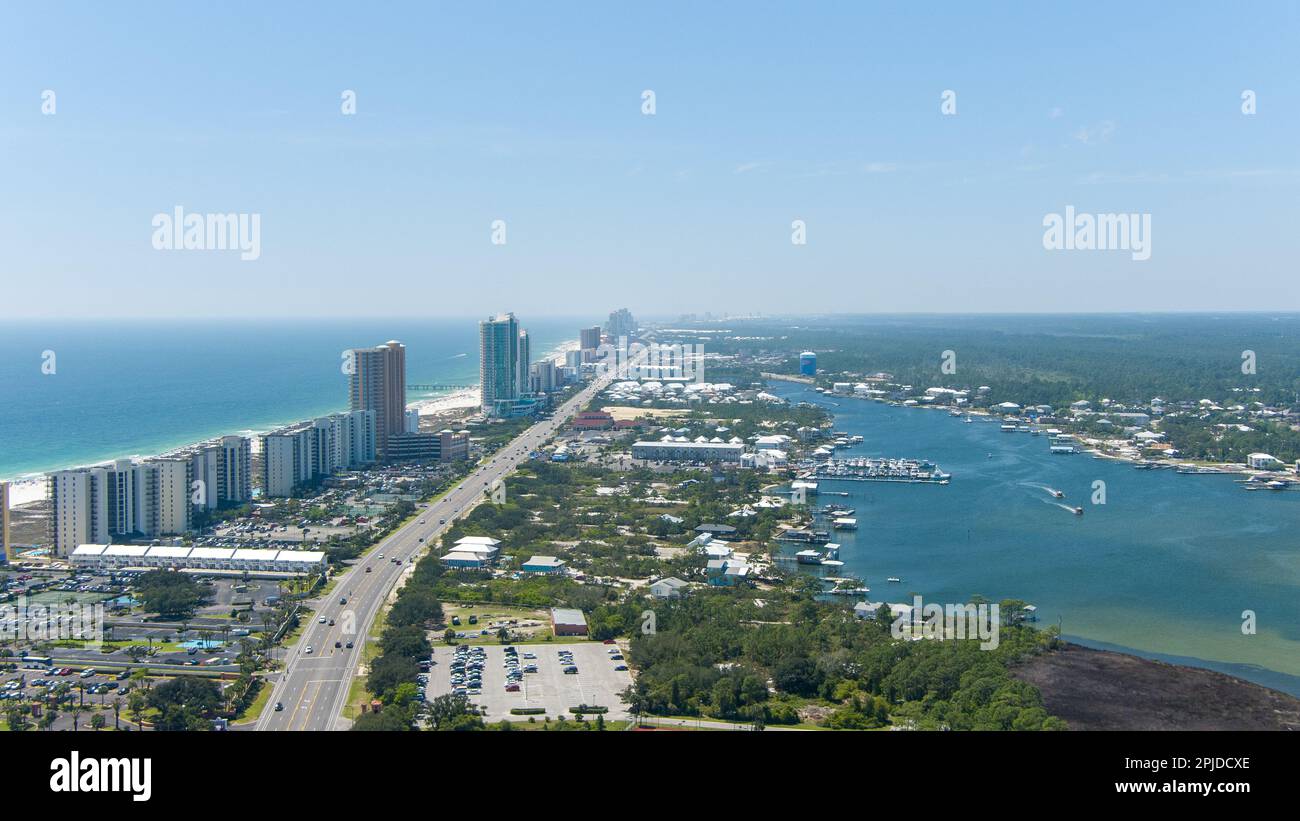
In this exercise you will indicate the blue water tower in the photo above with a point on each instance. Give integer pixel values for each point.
(808, 363)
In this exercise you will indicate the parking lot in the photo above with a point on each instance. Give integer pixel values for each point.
(596, 682)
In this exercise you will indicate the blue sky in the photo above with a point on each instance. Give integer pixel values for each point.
(531, 113)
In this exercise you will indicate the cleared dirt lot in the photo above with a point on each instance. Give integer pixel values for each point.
(596, 682)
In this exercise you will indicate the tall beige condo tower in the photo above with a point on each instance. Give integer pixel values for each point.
(6, 549)
(379, 384)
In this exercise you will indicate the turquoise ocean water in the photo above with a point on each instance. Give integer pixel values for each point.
(142, 387)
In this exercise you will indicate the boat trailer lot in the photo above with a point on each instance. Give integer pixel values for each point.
(596, 683)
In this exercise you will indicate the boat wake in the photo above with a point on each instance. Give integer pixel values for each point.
(1050, 491)
(1077, 511)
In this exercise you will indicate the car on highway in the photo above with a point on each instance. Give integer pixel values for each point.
(308, 650)
(278, 706)
(367, 568)
(321, 620)
(349, 645)
(338, 644)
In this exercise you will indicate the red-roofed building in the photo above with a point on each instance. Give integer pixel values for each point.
(593, 420)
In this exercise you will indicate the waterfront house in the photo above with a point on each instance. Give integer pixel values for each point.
(866, 609)
(1262, 461)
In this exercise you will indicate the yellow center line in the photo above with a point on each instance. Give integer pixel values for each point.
(297, 708)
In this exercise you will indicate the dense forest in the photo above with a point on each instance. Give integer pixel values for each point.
(714, 653)
(1050, 359)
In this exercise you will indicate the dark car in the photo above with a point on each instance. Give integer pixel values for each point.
(278, 706)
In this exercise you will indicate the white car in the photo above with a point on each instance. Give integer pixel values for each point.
(308, 650)
(321, 620)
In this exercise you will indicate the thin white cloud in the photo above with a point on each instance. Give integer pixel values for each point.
(1099, 133)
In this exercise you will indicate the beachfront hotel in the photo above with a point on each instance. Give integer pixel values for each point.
(224, 466)
(302, 453)
(589, 340)
(122, 499)
(378, 383)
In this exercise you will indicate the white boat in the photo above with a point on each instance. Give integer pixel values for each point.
(894, 579)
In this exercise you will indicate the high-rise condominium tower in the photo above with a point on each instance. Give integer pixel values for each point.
(379, 384)
(499, 361)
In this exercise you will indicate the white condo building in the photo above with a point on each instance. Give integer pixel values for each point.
(225, 468)
(297, 455)
(124, 499)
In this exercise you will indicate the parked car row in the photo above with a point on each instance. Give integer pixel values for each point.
(467, 670)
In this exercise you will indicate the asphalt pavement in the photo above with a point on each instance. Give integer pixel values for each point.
(313, 688)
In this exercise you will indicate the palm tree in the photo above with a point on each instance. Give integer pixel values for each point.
(76, 717)
(117, 712)
(135, 706)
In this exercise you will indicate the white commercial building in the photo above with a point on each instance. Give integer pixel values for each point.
(179, 557)
(677, 450)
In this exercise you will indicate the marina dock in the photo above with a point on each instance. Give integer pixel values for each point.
(881, 470)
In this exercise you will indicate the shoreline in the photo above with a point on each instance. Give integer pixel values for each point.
(1094, 447)
(1153, 659)
(31, 487)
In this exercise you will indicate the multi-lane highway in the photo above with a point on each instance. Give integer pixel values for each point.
(313, 688)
